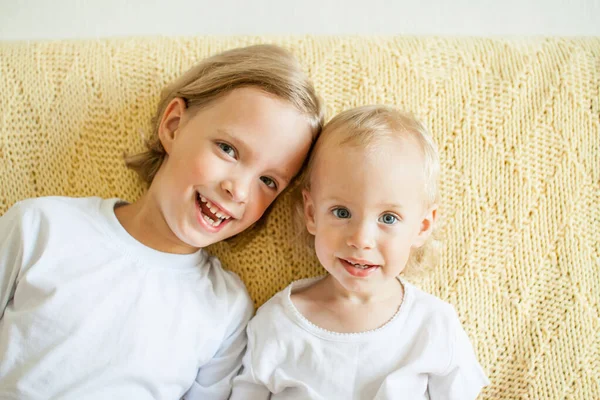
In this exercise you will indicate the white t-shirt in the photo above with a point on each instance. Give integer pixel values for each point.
(421, 353)
(88, 312)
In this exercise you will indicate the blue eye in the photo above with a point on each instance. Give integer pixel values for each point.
(388, 219)
(341, 213)
(269, 182)
(227, 149)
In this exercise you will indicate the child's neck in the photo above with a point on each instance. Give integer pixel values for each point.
(327, 305)
(140, 220)
(381, 294)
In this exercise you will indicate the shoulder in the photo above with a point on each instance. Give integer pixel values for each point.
(32, 213)
(428, 305)
(273, 334)
(274, 307)
(429, 313)
(278, 320)
(228, 287)
(42, 225)
(52, 202)
(49, 206)
(434, 325)
(273, 316)
(457, 373)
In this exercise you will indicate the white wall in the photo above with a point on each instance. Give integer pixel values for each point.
(53, 19)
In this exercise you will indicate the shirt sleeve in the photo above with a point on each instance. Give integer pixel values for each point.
(11, 254)
(464, 378)
(214, 380)
(246, 386)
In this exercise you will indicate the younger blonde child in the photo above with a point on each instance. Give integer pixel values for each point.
(361, 332)
(104, 299)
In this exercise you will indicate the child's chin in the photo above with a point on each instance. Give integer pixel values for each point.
(205, 242)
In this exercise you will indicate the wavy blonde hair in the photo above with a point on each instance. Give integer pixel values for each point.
(267, 67)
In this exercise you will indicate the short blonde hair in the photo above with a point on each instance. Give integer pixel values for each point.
(267, 67)
(368, 125)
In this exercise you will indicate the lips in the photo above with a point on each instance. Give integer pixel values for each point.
(211, 214)
(360, 269)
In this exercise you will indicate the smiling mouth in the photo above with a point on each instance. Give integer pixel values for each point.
(211, 214)
(361, 266)
(358, 270)
(358, 265)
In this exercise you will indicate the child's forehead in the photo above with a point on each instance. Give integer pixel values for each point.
(371, 181)
(390, 163)
(381, 147)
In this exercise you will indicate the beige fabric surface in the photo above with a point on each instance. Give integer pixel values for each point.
(518, 125)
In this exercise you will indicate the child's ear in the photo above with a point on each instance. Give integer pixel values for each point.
(170, 121)
(427, 224)
(309, 212)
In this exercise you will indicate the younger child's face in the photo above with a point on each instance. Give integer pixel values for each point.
(367, 207)
(225, 164)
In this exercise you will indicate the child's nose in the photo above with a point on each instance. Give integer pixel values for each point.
(361, 236)
(238, 189)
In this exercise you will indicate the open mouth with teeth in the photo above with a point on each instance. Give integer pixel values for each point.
(210, 213)
(359, 270)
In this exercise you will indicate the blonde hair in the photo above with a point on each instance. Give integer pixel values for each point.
(365, 126)
(267, 67)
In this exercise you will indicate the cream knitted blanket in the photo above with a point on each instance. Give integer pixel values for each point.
(518, 125)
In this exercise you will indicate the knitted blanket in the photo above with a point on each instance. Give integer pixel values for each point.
(518, 125)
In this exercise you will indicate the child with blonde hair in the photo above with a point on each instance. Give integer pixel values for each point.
(370, 199)
(102, 299)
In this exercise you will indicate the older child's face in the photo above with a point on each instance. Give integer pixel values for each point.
(366, 209)
(226, 164)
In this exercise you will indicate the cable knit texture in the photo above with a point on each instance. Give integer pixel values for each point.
(518, 125)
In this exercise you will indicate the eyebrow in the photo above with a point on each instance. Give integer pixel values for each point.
(239, 143)
(382, 205)
(391, 205)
